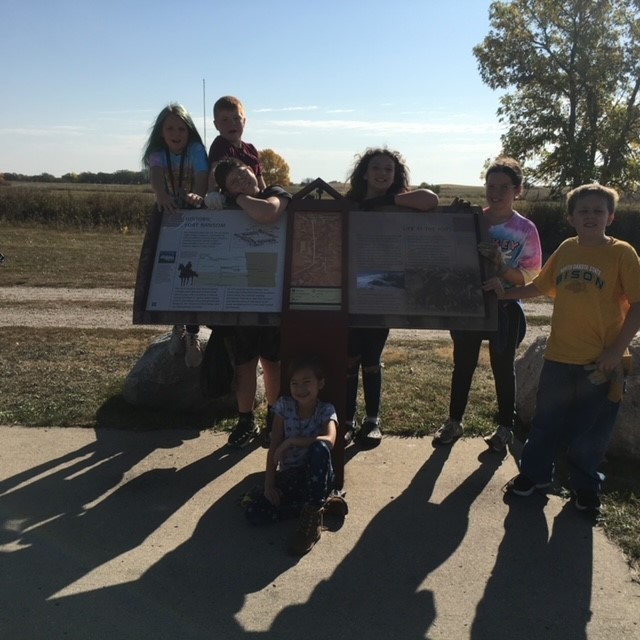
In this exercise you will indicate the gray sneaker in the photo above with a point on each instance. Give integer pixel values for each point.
(193, 353)
(450, 431)
(502, 437)
(176, 343)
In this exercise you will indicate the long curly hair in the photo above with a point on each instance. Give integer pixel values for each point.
(358, 184)
(156, 141)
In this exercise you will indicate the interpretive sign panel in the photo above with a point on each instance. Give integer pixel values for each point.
(216, 265)
(316, 261)
(418, 269)
(403, 269)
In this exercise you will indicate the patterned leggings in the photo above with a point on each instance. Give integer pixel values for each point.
(309, 484)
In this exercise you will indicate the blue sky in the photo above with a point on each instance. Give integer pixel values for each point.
(82, 82)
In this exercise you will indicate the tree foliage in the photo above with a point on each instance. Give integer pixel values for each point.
(275, 168)
(571, 74)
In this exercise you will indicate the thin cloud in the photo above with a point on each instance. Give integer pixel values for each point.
(57, 130)
(283, 109)
(389, 127)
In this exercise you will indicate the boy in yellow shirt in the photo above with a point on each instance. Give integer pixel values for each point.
(594, 280)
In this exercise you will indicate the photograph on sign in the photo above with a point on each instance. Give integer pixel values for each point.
(415, 269)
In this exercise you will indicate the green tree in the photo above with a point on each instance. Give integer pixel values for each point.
(570, 70)
(275, 168)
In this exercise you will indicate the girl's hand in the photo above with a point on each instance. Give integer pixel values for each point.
(495, 285)
(272, 495)
(165, 203)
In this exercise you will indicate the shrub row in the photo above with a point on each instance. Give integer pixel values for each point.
(75, 208)
(86, 209)
(551, 220)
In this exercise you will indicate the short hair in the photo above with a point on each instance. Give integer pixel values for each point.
(224, 168)
(312, 362)
(508, 166)
(609, 195)
(227, 103)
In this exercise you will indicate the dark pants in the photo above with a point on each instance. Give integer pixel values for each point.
(308, 484)
(502, 349)
(365, 344)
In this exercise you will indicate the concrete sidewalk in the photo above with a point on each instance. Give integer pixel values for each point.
(113, 534)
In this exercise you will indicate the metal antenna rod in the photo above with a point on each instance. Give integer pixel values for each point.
(204, 113)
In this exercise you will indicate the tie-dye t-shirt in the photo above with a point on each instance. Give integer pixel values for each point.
(519, 242)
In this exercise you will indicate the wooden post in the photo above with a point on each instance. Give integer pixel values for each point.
(314, 317)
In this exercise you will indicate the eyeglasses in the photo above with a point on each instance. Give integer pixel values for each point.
(502, 188)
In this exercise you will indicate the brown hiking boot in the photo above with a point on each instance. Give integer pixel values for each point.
(308, 531)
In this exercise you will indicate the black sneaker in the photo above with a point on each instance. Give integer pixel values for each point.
(243, 433)
(587, 500)
(370, 433)
(522, 486)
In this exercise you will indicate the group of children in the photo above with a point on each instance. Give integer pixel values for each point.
(594, 280)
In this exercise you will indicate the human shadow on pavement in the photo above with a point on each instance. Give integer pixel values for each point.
(199, 589)
(67, 520)
(540, 586)
(61, 486)
(375, 591)
(193, 591)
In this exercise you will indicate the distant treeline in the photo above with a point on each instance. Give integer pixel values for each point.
(123, 176)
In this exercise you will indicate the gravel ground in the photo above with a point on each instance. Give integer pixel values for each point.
(90, 309)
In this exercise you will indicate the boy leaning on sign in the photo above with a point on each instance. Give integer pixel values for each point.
(240, 186)
(594, 280)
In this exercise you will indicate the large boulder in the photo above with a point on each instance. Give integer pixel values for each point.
(626, 437)
(162, 381)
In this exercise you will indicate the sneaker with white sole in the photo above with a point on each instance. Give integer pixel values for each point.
(502, 438)
(243, 433)
(523, 486)
(176, 343)
(370, 433)
(193, 351)
(450, 431)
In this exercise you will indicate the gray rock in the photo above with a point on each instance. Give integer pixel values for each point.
(625, 442)
(162, 381)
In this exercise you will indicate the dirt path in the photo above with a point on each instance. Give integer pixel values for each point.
(112, 308)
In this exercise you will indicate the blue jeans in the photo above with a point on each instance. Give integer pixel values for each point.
(572, 414)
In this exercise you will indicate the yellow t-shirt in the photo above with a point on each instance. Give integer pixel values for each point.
(592, 289)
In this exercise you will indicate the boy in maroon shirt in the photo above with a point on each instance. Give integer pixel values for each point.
(229, 119)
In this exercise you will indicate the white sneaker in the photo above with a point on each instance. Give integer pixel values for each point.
(451, 430)
(193, 352)
(500, 439)
(176, 344)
